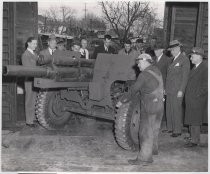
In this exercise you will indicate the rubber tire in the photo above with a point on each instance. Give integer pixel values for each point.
(45, 115)
(123, 120)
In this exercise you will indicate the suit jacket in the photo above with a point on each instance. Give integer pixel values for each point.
(177, 75)
(29, 59)
(132, 53)
(84, 53)
(101, 49)
(45, 57)
(196, 95)
(163, 65)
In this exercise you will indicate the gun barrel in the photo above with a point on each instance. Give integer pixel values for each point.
(23, 71)
(66, 61)
(58, 73)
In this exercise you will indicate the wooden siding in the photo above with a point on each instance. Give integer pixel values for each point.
(19, 22)
(8, 86)
(183, 26)
(187, 22)
(202, 27)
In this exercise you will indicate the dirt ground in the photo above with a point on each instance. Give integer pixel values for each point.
(91, 147)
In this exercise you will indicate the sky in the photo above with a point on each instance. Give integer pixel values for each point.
(91, 6)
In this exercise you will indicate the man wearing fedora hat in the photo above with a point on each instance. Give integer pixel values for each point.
(150, 86)
(196, 95)
(46, 54)
(176, 81)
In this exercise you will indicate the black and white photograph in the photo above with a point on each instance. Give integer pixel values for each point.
(104, 86)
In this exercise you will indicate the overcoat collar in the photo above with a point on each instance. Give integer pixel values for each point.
(196, 70)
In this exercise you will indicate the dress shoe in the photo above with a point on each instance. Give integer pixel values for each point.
(175, 134)
(31, 125)
(190, 144)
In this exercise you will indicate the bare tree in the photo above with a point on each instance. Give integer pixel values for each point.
(93, 22)
(58, 19)
(145, 27)
(67, 16)
(123, 15)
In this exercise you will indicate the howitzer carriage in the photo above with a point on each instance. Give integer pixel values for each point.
(74, 86)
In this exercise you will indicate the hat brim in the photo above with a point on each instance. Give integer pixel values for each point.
(175, 45)
(197, 54)
(159, 49)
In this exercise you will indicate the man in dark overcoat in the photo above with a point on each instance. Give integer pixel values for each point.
(105, 48)
(176, 81)
(162, 62)
(196, 95)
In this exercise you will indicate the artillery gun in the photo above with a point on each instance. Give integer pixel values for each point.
(74, 86)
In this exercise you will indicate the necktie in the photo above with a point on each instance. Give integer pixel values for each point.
(84, 53)
(53, 51)
(173, 58)
(106, 49)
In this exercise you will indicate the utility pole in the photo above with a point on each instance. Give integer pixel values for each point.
(85, 17)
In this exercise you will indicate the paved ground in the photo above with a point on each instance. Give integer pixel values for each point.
(91, 147)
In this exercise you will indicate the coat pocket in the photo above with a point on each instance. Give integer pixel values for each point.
(152, 105)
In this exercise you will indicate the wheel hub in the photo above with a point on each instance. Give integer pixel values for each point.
(58, 106)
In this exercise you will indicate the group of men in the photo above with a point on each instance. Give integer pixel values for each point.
(30, 58)
(176, 75)
(160, 75)
(188, 85)
(54, 44)
(172, 77)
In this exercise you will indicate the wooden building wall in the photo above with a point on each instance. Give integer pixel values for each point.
(20, 21)
(202, 29)
(187, 22)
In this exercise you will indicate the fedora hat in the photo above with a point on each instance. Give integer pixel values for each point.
(198, 51)
(174, 43)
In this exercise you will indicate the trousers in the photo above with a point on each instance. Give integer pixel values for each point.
(30, 101)
(174, 113)
(148, 135)
(195, 134)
